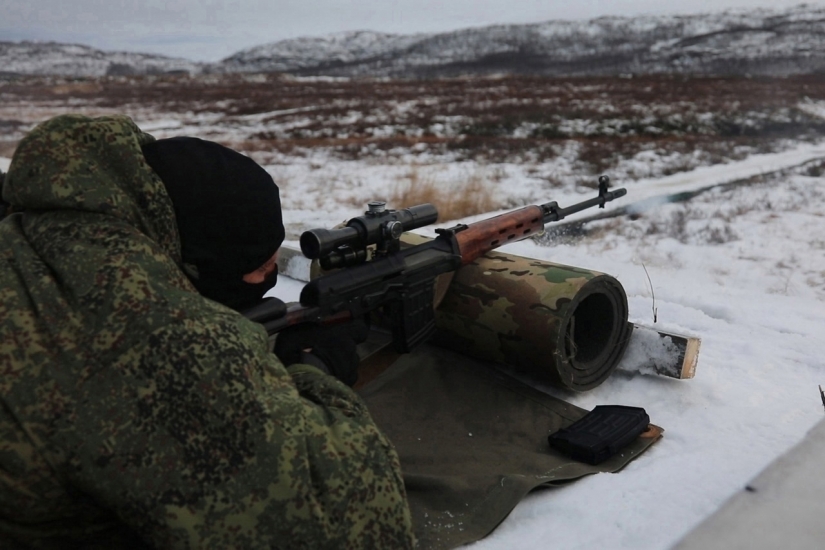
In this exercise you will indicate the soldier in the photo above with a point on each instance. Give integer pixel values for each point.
(138, 410)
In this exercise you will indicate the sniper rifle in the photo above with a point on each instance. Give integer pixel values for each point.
(377, 274)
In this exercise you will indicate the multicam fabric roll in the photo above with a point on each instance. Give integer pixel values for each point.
(564, 325)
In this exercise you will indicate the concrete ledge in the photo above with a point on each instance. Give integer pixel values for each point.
(783, 507)
(293, 264)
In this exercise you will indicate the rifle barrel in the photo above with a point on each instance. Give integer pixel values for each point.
(552, 212)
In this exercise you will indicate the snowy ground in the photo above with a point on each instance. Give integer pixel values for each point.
(756, 301)
(742, 267)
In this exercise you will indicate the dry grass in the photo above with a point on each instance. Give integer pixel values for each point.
(514, 119)
(453, 200)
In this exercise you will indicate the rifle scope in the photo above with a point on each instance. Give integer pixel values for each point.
(377, 226)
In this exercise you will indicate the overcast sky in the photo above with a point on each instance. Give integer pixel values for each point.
(209, 30)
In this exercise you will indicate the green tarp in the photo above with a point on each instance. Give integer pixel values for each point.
(473, 442)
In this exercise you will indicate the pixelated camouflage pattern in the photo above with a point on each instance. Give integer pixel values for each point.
(4, 207)
(520, 312)
(136, 413)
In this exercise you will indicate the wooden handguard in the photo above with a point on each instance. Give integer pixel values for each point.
(486, 235)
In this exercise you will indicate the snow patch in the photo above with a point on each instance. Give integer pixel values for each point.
(646, 350)
(813, 108)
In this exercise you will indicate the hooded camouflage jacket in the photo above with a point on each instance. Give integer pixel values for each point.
(136, 412)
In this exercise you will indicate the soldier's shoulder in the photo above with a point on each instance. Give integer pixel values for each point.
(3, 204)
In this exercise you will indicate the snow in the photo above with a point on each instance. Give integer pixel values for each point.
(648, 191)
(760, 315)
(164, 124)
(730, 35)
(79, 60)
(709, 43)
(742, 267)
(647, 349)
(309, 51)
(4, 164)
(815, 108)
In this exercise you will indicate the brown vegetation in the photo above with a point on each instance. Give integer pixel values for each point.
(513, 119)
(453, 200)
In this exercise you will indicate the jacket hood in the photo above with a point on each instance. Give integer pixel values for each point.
(73, 162)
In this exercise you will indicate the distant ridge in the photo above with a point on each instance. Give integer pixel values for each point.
(54, 58)
(757, 41)
(733, 42)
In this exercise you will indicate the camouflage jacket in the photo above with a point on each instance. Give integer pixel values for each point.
(136, 412)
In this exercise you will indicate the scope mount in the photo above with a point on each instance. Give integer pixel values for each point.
(389, 236)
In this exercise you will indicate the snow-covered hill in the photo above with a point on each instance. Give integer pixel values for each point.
(53, 58)
(331, 52)
(757, 41)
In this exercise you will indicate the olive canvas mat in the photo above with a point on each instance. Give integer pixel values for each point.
(473, 442)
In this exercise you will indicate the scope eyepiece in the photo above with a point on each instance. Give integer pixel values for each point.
(316, 243)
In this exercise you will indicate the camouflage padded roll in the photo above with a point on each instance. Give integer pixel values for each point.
(565, 325)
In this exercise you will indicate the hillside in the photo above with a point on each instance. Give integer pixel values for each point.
(764, 42)
(53, 58)
(735, 42)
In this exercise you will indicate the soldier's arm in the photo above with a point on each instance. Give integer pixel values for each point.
(210, 444)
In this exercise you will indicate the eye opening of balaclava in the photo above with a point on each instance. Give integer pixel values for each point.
(228, 213)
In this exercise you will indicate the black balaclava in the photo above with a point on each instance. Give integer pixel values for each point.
(228, 213)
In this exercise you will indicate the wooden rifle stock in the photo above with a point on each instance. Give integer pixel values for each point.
(481, 237)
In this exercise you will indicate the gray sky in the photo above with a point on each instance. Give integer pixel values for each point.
(209, 30)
